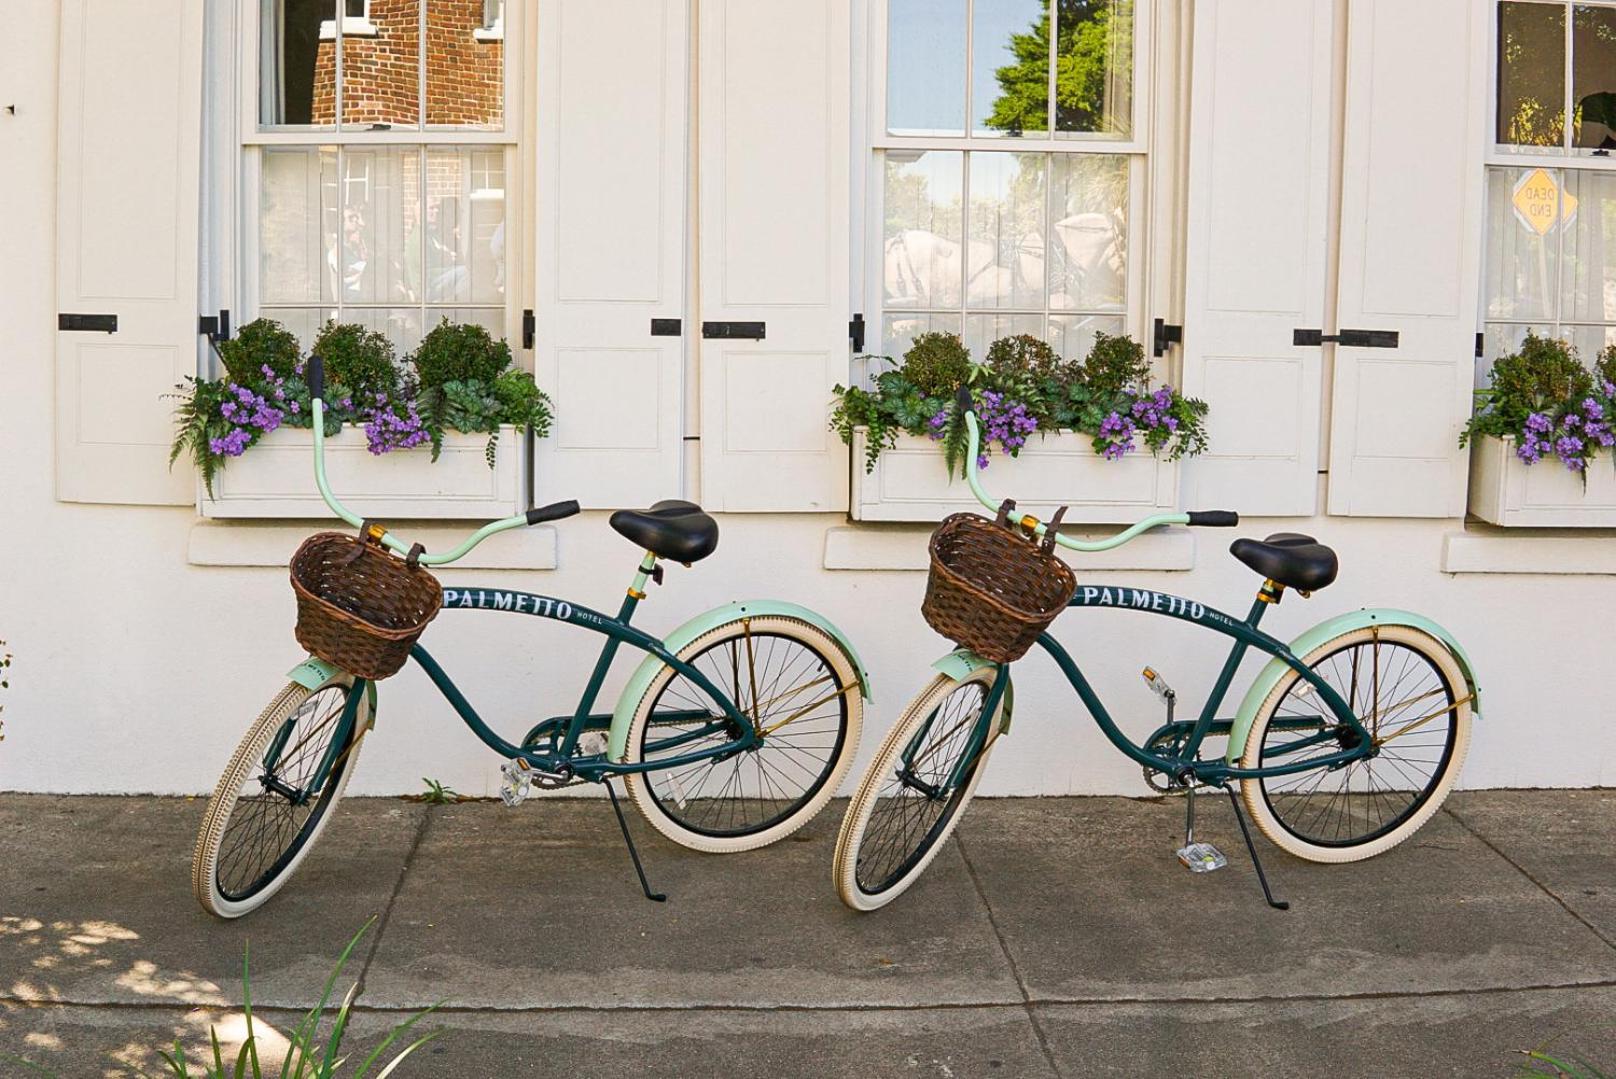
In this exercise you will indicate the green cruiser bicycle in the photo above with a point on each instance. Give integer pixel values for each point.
(1345, 744)
(732, 733)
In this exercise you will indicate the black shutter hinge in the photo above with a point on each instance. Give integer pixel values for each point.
(748, 331)
(87, 323)
(1481, 345)
(530, 328)
(1350, 338)
(215, 328)
(1164, 335)
(855, 332)
(667, 327)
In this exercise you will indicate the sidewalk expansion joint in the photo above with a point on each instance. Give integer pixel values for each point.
(1004, 948)
(392, 899)
(1550, 892)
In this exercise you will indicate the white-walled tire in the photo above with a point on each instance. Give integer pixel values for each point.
(875, 863)
(811, 712)
(1410, 692)
(249, 844)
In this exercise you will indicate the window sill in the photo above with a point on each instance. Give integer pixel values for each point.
(902, 548)
(489, 33)
(1484, 549)
(271, 543)
(351, 27)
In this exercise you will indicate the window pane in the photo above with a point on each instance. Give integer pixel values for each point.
(982, 330)
(900, 331)
(926, 67)
(465, 226)
(1523, 265)
(1010, 67)
(491, 319)
(379, 247)
(1593, 76)
(400, 325)
(381, 70)
(1073, 335)
(1588, 253)
(303, 322)
(921, 236)
(1004, 261)
(296, 76)
(1531, 74)
(1089, 245)
(465, 66)
(1094, 67)
(297, 226)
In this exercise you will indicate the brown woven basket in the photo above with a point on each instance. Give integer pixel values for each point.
(359, 607)
(990, 589)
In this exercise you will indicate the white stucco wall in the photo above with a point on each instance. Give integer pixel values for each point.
(137, 671)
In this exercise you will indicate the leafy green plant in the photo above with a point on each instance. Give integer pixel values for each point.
(359, 361)
(1023, 388)
(462, 352)
(261, 343)
(1549, 403)
(937, 364)
(311, 1054)
(438, 794)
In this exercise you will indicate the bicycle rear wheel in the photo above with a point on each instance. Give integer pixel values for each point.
(915, 790)
(262, 820)
(1410, 694)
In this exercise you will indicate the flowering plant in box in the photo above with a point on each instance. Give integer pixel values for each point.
(264, 387)
(1549, 403)
(1022, 387)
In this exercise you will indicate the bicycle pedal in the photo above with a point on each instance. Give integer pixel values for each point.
(1201, 858)
(517, 783)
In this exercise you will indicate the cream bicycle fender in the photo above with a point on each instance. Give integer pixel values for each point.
(623, 713)
(1328, 630)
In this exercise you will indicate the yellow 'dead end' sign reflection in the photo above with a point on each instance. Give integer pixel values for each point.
(1540, 204)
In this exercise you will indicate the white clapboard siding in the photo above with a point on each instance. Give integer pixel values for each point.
(129, 128)
(613, 132)
(1259, 142)
(773, 107)
(1411, 229)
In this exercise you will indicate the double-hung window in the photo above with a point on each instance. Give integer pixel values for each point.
(1008, 171)
(376, 166)
(1551, 179)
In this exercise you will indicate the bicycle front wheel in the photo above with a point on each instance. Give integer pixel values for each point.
(799, 691)
(264, 818)
(915, 790)
(1410, 694)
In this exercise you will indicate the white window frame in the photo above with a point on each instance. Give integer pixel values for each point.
(872, 139)
(1558, 160)
(1565, 156)
(235, 140)
(352, 25)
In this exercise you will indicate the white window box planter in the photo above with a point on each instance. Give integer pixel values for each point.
(275, 478)
(911, 483)
(1506, 491)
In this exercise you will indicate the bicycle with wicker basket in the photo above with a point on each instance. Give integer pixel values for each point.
(732, 732)
(1347, 741)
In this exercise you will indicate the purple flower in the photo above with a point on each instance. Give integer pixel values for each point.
(1539, 422)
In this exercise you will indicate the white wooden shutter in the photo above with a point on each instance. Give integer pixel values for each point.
(773, 116)
(1411, 227)
(1255, 249)
(129, 129)
(612, 137)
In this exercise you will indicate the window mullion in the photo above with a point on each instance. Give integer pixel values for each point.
(1567, 140)
(1054, 36)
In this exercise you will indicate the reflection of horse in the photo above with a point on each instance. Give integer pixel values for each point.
(923, 269)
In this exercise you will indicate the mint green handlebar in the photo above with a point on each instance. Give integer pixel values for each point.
(387, 538)
(973, 477)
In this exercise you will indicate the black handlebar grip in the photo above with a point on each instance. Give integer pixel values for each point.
(553, 512)
(316, 377)
(963, 399)
(1214, 518)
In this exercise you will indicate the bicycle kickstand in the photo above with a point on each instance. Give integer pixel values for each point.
(634, 855)
(1256, 863)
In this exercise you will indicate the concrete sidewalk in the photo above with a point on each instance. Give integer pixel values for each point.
(1057, 937)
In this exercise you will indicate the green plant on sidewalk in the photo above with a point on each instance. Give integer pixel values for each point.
(310, 1054)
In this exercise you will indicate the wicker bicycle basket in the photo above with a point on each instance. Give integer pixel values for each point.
(990, 589)
(359, 607)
